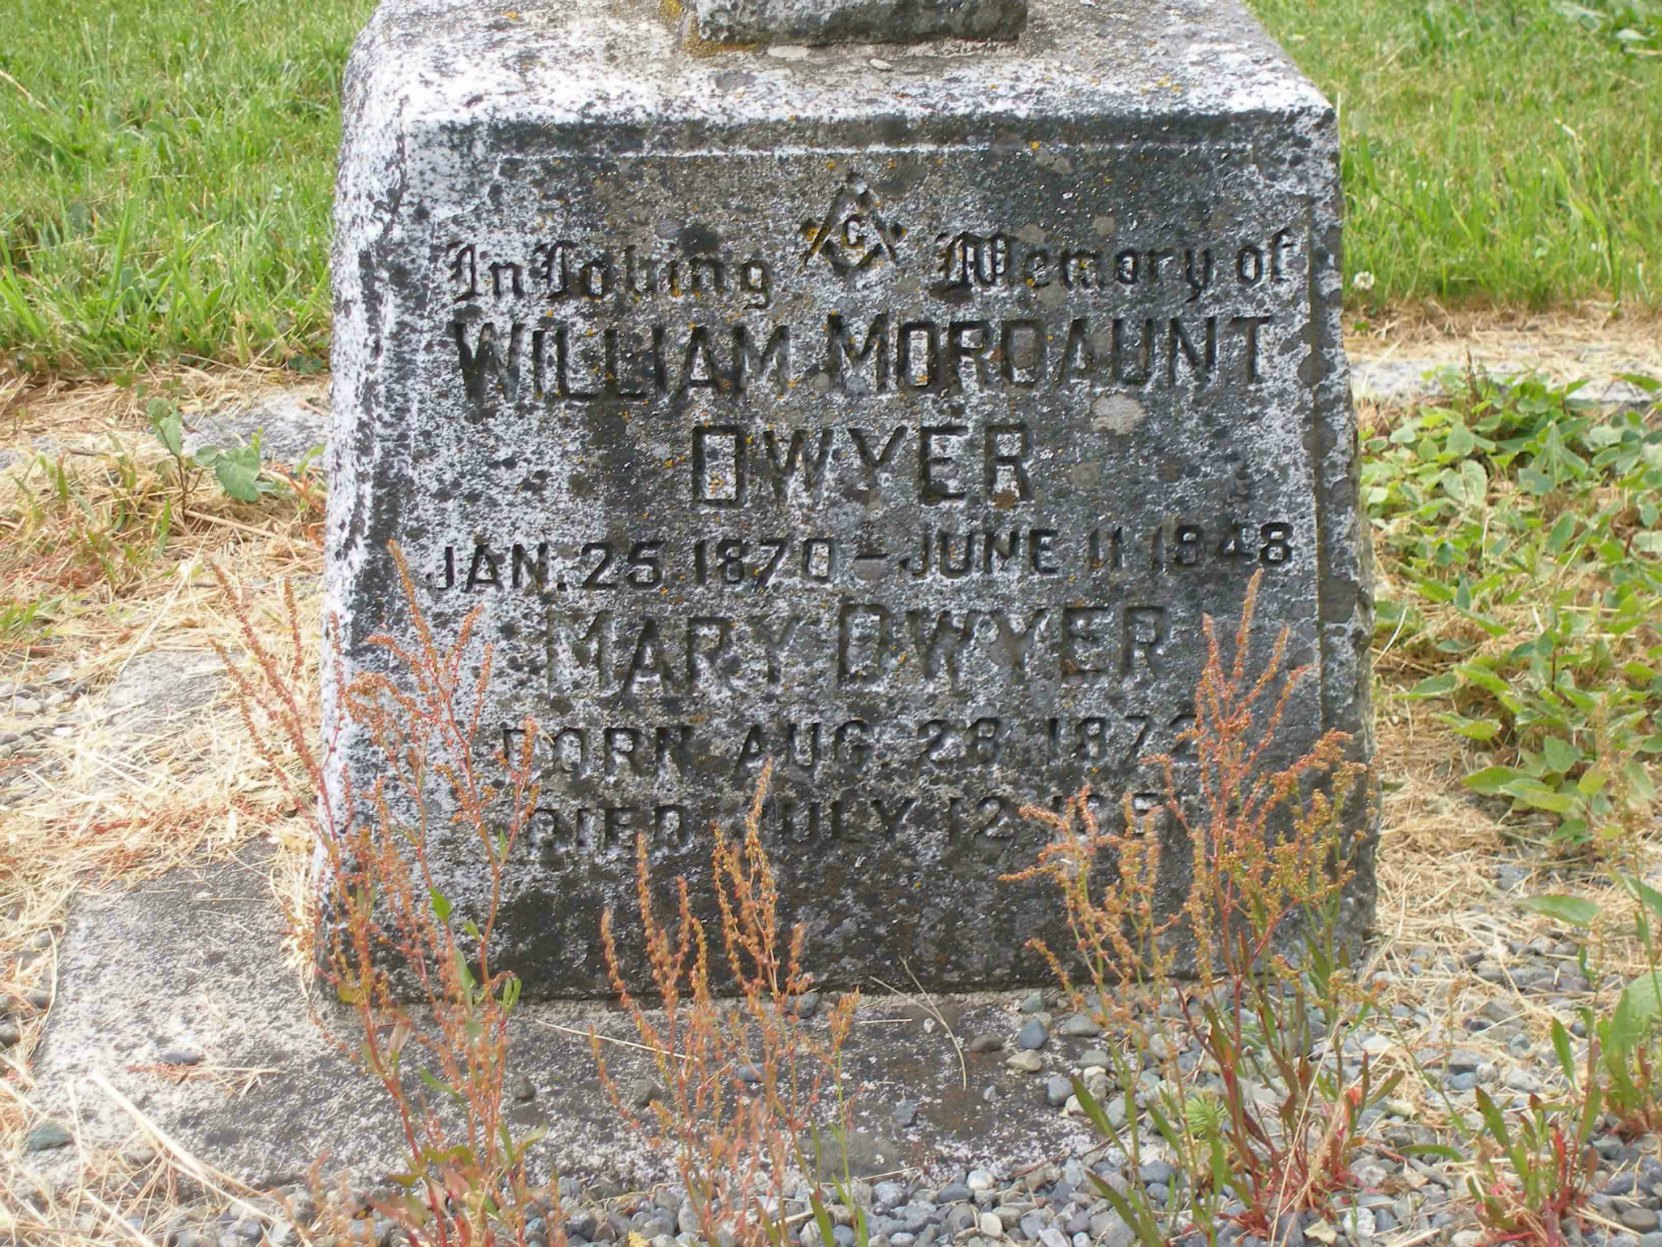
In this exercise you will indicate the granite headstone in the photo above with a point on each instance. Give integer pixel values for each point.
(892, 410)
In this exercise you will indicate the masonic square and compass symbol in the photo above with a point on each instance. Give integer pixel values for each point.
(853, 236)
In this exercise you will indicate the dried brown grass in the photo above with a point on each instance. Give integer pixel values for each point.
(1590, 341)
(87, 802)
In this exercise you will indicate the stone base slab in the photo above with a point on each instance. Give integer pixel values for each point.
(192, 963)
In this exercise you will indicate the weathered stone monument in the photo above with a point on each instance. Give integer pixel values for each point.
(887, 389)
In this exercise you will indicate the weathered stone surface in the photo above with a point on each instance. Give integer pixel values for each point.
(195, 960)
(159, 689)
(853, 21)
(289, 424)
(899, 421)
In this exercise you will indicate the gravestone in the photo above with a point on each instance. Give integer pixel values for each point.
(819, 383)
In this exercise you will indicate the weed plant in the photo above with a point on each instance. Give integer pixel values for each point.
(1625, 1036)
(1532, 1174)
(89, 527)
(1524, 535)
(390, 933)
(1240, 1071)
(741, 1080)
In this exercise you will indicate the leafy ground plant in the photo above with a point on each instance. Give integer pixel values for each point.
(1532, 1168)
(388, 931)
(1533, 1173)
(92, 525)
(239, 470)
(741, 1080)
(1241, 1071)
(1627, 1035)
(1525, 534)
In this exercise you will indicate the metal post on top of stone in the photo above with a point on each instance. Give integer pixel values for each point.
(889, 388)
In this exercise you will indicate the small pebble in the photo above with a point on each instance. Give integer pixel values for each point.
(641, 1092)
(1152, 1171)
(1463, 1061)
(46, 1137)
(1032, 1035)
(1639, 1219)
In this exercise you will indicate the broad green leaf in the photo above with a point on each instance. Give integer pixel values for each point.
(1436, 685)
(1575, 911)
(435, 1085)
(1537, 796)
(238, 473)
(1491, 780)
(1472, 729)
(1642, 998)
(1646, 895)
(1480, 675)
(1493, 1119)
(1474, 481)
(1561, 1046)
(1560, 754)
(168, 426)
(1093, 1110)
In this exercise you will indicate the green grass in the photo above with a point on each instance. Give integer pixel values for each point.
(165, 181)
(1495, 150)
(166, 165)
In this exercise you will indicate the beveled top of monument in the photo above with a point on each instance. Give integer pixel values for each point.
(574, 68)
(853, 21)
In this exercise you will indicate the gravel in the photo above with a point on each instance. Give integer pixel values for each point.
(1396, 1195)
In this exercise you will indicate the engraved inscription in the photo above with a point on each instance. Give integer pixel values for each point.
(928, 512)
